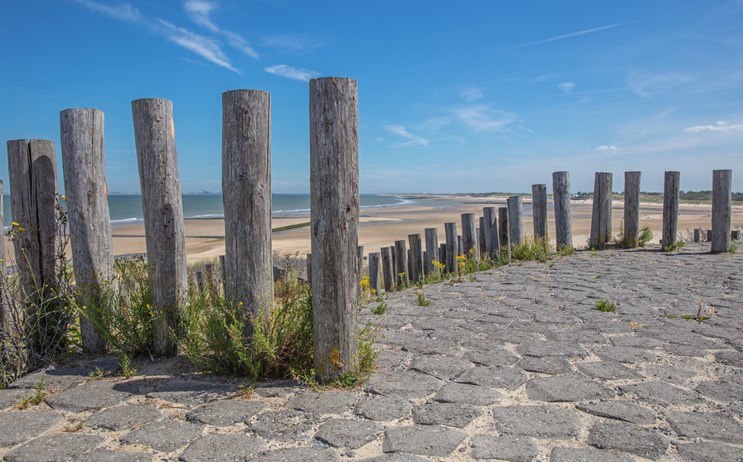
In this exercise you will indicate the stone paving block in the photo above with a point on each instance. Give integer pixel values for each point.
(13, 397)
(540, 348)
(707, 425)
(620, 410)
(630, 355)
(105, 455)
(277, 389)
(579, 335)
(729, 358)
(450, 414)
(662, 393)
(58, 447)
(509, 378)
(225, 412)
(491, 356)
(709, 452)
(467, 394)
(403, 384)
(635, 341)
(164, 435)
(64, 377)
(395, 457)
(425, 440)
(553, 365)
(219, 447)
(17, 427)
(123, 417)
(541, 421)
(629, 438)
(569, 387)
(345, 433)
(326, 402)
(607, 370)
(723, 391)
(670, 374)
(87, 397)
(419, 343)
(440, 366)
(286, 425)
(383, 408)
(510, 448)
(588, 455)
(297, 455)
(193, 392)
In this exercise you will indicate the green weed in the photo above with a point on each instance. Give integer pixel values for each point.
(422, 300)
(646, 235)
(605, 306)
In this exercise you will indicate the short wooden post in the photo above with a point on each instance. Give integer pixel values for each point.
(735, 235)
(561, 197)
(374, 285)
(360, 258)
(722, 181)
(601, 216)
(388, 269)
(631, 209)
(504, 231)
(209, 275)
(492, 240)
(539, 210)
(154, 134)
(442, 254)
(200, 281)
(670, 209)
(3, 263)
(481, 238)
(469, 236)
(515, 220)
(460, 246)
(308, 263)
(222, 273)
(452, 247)
(416, 257)
(334, 186)
(432, 249)
(88, 217)
(246, 192)
(5, 314)
(401, 264)
(697, 235)
(709, 235)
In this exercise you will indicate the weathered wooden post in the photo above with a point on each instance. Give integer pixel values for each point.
(515, 220)
(416, 257)
(154, 134)
(5, 314)
(504, 232)
(388, 269)
(722, 182)
(334, 186)
(460, 246)
(432, 249)
(246, 192)
(223, 274)
(697, 234)
(88, 217)
(452, 247)
(481, 238)
(670, 209)
(601, 216)
(308, 263)
(735, 235)
(631, 209)
(561, 197)
(4, 263)
(492, 240)
(442, 254)
(374, 285)
(539, 210)
(402, 275)
(469, 236)
(200, 281)
(360, 257)
(709, 235)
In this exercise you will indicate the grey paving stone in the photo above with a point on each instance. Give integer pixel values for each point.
(707, 425)
(662, 393)
(607, 370)
(186, 391)
(730, 358)
(579, 335)
(511, 448)
(383, 408)
(17, 427)
(540, 348)
(620, 410)
(286, 425)
(215, 446)
(12, 397)
(403, 384)
(225, 412)
(87, 397)
(545, 365)
(629, 438)
(63, 377)
(325, 402)
(165, 435)
(636, 341)
(670, 374)
(277, 389)
(683, 350)
(467, 394)
(626, 354)
(709, 452)
(491, 356)
(724, 391)
(569, 387)
(395, 457)
(123, 417)
(450, 414)
(425, 440)
(105, 455)
(297, 455)
(440, 366)
(509, 378)
(587, 455)
(345, 433)
(540, 421)
(58, 447)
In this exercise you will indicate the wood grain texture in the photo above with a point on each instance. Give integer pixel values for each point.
(374, 284)
(492, 240)
(539, 210)
(334, 190)
(452, 247)
(87, 213)
(154, 135)
(671, 185)
(481, 237)
(561, 197)
(601, 228)
(402, 275)
(416, 257)
(504, 231)
(722, 182)
(515, 220)
(388, 269)
(432, 249)
(631, 230)
(469, 236)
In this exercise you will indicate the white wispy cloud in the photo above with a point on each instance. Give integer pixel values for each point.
(648, 85)
(471, 94)
(608, 148)
(122, 11)
(720, 126)
(206, 47)
(483, 118)
(566, 87)
(412, 140)
(199, 11)
(292, 42)
(572, 34)
(290, 72)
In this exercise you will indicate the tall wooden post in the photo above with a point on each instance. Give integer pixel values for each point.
(492, 240)
(246, 192)
(601, 216)
(722, 181)
(388, 269)
(539, 210)
(402, 275)
(374, 285)
(416, 257)
(4, 265)
(469, 236)
(670, 209)
(631, 209)
(481, 237)
(432, 249)
(504, 232)
(452, 247)
(154, 134)
(561, 196)
(88, 217)
(5, 315)
(515, 220)
(334, 186)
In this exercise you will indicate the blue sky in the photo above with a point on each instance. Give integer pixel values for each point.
(468, 96)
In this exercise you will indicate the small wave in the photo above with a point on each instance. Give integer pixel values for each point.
(126, 220)
(207, 216)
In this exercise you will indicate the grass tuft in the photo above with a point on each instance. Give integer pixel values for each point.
(605, 306)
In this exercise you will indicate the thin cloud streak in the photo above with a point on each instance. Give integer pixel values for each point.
(413, 140)
(572, 34)
(483, 118)
(205, 47)
(720, 126)
(123, 12)
(290, 72)
(199, 12)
